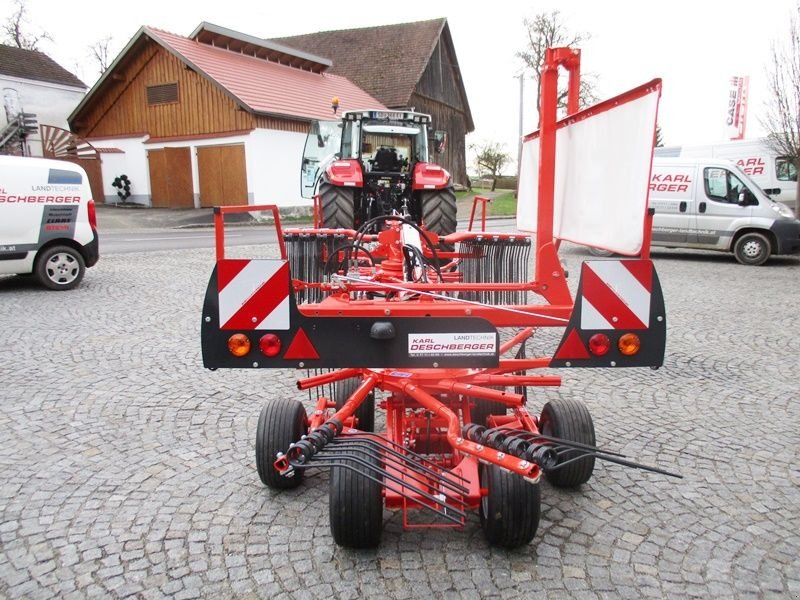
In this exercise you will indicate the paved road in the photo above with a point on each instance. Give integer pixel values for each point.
(126, 470)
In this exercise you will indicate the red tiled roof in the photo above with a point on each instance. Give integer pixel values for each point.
(32, 64)
(267, 87)
(387, 61)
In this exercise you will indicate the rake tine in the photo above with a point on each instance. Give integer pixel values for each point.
(402, 462)
(619, 461)
(374, 469)
(527, 435)
(403, 450)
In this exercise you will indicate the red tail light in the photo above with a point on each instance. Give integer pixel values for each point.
(599, 344)
(269, 344)
(92, 214)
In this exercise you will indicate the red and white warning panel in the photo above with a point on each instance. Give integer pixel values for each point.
(618, 320)
(616, 294)
(253, 294)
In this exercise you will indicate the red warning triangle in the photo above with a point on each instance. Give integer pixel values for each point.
(572, 348)
(301, 348)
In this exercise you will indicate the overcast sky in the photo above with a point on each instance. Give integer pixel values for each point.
(694, 46)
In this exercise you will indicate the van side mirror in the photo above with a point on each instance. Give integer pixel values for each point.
(439, 141)
(746, 198)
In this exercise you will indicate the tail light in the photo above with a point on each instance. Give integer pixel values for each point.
(239, 344)
(599, 344)
(629, 344)
(92, 214)
(270, 345)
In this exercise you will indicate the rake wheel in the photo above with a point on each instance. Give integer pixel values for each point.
(281, 422)
(569, 419)
(511, 508)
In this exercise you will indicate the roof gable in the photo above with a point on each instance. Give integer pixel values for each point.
(386, 61)
(256, 84)
(36, 66)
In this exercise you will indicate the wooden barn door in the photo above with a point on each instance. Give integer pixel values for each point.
(223, 175)
(171, 178)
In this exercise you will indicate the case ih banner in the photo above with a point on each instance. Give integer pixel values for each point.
(737, 107)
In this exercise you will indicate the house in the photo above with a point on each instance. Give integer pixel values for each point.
(35, 86)
(410, 65)
(216, 118)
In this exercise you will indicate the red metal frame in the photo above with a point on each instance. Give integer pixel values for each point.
(483, 201)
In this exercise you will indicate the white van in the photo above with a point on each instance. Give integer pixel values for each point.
(775, 175)
(714, 205)
(48, 224)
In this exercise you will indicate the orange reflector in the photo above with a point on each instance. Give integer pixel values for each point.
(269, 344)
(239, 344)
(599, 344)
(629, 344)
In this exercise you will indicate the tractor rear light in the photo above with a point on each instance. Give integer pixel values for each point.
(269, 344)
(429, 176)
(239, 344)
(629, 344)
(599, 344)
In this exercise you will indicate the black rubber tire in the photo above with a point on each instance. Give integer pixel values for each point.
(752, 249)
(569, 419)
(364, 413)
(439, 212)
(356, 506)
(600, 252)
(59, 268)
(282, 422)
(511, 509)
(338, 206)
(483, 408)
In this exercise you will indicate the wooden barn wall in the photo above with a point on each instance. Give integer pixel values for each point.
(121, 108)
(454, 159)
(438, 80)
(282, 124)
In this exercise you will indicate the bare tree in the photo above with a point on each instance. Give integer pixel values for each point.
(101, 53)
(490, 159)
(547, 30)
(782, 119)
(17, 32)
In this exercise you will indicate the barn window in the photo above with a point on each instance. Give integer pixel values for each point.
(162, 94)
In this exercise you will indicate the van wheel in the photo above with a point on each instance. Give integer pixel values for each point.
(752, 249)
(60, 268)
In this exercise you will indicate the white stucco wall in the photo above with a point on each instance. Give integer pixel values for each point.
(50, 102)
(272, 158)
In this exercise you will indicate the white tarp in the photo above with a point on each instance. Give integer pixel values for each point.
(601, 177)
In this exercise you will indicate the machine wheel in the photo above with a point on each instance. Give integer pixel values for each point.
(752, 249)
(338, 206)
(356, 506)
(60, 268)
(569, 419)
(483, 408)
(439, 210)
(510, 510)
(600, 252)
(281, 422)
(364, 413)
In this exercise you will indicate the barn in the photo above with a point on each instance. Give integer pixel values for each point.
(408, 65)
(216, 118)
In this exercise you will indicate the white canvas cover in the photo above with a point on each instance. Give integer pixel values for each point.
(603, 158)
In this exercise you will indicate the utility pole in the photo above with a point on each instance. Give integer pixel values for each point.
(519, 140)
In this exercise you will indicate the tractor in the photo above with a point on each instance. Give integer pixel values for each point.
(373, 163)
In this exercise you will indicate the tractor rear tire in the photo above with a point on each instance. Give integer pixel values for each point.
(570, 420)
(439, 213)
(364, 413)
(511, 508)
(338, 206)
(356, 506)
(282, 422)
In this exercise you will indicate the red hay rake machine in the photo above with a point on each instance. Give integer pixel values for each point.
(436, 331)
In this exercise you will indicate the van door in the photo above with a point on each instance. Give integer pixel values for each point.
(786, 180)
(672, 198)
(718, 208)
(322, 144)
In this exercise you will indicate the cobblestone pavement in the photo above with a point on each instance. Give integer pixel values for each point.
(126, 469)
